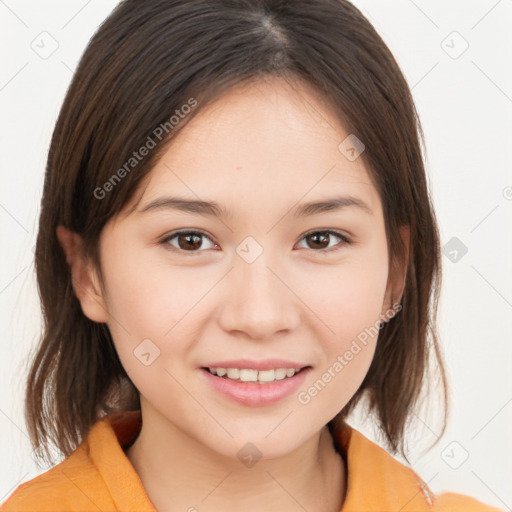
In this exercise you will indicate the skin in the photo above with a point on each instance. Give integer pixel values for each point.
(260, 150)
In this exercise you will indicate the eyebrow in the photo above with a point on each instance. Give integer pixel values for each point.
(211, 208)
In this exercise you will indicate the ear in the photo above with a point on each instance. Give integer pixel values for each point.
(397, 277)
(83, 276)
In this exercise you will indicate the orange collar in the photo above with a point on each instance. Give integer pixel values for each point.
(99, 476)
(376, 481)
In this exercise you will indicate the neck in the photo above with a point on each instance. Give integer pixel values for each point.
(179, 473)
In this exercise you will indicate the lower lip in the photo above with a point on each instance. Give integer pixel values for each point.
(253, 393)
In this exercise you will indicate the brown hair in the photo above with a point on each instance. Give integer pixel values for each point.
(144, 63)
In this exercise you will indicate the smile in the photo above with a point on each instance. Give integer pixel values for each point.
(255, 387)
(250, 375)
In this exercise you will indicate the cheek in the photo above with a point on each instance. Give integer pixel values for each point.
(159, 303)
(149, 299)
(348, 300)
(346, 297)
(350, 308)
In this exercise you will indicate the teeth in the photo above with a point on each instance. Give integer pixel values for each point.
(233, 373)
(280, 373)
(248, 375)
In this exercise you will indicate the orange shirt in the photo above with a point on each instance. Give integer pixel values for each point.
(99, 476)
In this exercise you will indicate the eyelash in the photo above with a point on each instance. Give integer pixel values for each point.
(345, 241)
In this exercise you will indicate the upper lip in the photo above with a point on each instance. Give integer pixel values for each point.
(266, 364)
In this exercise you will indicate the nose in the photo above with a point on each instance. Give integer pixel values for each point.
(259, 302)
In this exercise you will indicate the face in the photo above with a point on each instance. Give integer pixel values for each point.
(257, 285)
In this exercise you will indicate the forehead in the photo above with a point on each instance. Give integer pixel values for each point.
(262, 143)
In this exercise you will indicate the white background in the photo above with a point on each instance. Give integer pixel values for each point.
(465, 104)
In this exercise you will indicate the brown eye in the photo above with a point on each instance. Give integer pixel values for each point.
(191, 242)
(320, 240)
(187, 241)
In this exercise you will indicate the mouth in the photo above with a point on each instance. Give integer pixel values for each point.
(253, 387)
(262, 377)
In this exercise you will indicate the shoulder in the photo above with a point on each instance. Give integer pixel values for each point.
(394, 485)
(96, 476)
(74, 484)
(453, 502)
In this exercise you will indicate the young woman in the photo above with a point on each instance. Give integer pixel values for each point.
(236, 246)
